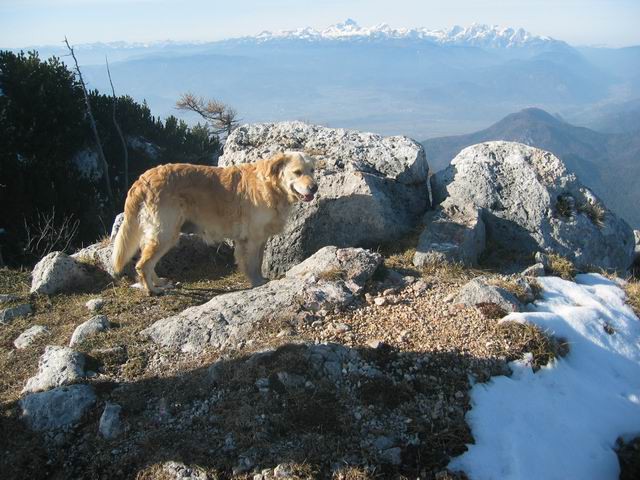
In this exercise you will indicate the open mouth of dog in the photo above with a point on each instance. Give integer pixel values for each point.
(305, 197)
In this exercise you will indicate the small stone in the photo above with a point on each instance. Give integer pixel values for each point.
(383, 442)
(29, 336)
(536, 270)
(375, 344)
(388, 291)
(91, 327)
(110, 426)
(392, 455)
(341, 327)
(380, 301)
(95, 304)
(9, 314)
(283, 471)
(284, 333)
(7, 297)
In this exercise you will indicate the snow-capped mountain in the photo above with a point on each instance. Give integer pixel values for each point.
(477, 35)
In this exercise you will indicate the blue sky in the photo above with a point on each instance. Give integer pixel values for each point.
(38, 22)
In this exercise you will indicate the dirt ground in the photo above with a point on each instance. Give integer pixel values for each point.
(262, 409)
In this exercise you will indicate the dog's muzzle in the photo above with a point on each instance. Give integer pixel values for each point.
(309, 195)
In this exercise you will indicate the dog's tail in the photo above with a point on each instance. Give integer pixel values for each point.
(128, 237)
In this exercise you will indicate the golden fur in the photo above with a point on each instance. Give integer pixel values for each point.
(246, 203)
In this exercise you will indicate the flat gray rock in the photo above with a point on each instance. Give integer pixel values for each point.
(371, 189)
(530, 202)
(58, 409)
(57, 366)
(478, 291)
(7, 315)
(29, 336)
(91, 327)
(452, 234)
(7, 297)
(110, 425)
(58, 272)
(330, 277)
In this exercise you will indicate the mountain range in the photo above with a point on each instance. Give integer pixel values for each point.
(418, 82)
(609, 163)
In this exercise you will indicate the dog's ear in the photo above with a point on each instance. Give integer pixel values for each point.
(276, 164)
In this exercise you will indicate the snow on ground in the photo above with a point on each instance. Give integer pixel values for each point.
(562, 422)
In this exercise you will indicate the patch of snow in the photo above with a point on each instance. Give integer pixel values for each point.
(562, 422)
(480, 35)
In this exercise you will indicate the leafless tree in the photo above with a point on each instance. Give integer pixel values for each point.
(220, 116)
(125, 152)
(94, 128)
(44, 235)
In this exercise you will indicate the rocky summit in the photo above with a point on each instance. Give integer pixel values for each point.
(358, 359)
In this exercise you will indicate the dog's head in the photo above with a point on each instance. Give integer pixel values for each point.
(294, 174)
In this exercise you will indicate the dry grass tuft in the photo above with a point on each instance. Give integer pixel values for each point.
(491, 310)
(561, 267)
(353, 473)
(526, 337)
(594, 212)
(632, 289)
(332, 275)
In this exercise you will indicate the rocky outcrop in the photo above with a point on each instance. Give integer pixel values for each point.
(331, 278)
(57, 366)
(453, 234)
(530, 202)
(636, 236)
(372, 189)
(58, 409)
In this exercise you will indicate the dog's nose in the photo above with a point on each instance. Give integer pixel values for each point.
(313, 188)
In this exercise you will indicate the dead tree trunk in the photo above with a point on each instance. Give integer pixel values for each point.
(125, 152)
(94, 128)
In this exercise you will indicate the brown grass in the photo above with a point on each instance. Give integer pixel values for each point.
(332, 275)
(594, 212)
(526, 337)
(632, 289)
(561, 267)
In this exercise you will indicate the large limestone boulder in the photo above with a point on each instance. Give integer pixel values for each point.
(372, 189)
(453, 234)
(330, 279)
(530, 202)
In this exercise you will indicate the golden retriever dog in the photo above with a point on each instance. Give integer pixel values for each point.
(246, 203)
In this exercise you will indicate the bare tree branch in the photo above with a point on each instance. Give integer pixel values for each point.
(94, 128)
(221, 117)
(125, 151)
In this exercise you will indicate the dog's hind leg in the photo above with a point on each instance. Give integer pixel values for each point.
(156, 244)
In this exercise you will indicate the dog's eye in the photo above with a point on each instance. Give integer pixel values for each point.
(297, 172)
(312, 170)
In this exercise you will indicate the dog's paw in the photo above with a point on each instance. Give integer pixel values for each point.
(257, 282)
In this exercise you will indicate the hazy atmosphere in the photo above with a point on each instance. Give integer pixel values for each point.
(320, 240)
(43, 22)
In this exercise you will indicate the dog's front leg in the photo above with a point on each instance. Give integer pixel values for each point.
(249, 256)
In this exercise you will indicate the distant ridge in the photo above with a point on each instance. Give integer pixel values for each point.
(477, 35)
